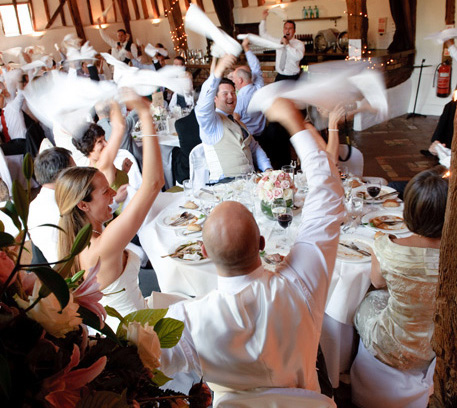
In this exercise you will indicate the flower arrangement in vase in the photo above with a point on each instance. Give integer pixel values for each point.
(47, 357)
(273, 185)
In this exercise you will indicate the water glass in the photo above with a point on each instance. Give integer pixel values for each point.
(188, 191)
(289, 170)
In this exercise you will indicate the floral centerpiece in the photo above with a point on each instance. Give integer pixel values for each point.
(273, 185)
(47, 357)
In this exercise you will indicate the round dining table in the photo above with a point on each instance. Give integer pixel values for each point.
(349, 283)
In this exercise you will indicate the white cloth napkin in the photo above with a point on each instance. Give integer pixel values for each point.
(260, 41)
(146, 81)
(279, 11)
(153, 51)
(442, 36)
(197, 21)
(86, 52)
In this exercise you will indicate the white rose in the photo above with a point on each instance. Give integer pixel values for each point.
(269, 185)
(287, 194)
(48, 313)
(147, 342)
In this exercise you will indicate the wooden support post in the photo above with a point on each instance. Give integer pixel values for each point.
(102, 7)
(125, 14)
(357, 20)
(33, 15)
(260, 2)
(56, 13)
(62, 16)
(155, 9)
(76, 18)
(245, 3)
(174, 15)
(144, 6)
(17, 15)
(444, 337)
(136, 9)
(200, 4)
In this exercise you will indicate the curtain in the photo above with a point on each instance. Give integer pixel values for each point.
(224, 11)
(404, 15)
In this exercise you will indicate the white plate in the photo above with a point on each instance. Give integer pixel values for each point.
(186, 261)
(369, 200)
(394, 229)
(167, 216)
(350, 255)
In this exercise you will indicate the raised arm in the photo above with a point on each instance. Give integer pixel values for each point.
(263, 28)
(105, 37)
(121, 230)
(333, 142)
(109, 153)
(312, 258)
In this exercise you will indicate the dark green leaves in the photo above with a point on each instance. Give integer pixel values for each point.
(52, 282)
(149, 316)
(82, 239)
(92, 320)
(27, 166)
(6, 239)
(21, 201)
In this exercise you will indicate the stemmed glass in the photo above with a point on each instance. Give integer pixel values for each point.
(373, 189)
(354, 207)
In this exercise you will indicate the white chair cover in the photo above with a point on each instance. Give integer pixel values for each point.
(5, 172)
(198, 169)
(135, 177)
(377, 385)
(274, 397)
(355, 162)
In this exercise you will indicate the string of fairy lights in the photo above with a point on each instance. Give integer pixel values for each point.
(178, 35)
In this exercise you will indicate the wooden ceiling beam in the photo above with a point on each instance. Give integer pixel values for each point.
(89, 9)
(56, 13)
(62, 16)
(144, 6)
(260, 2)
(33, 15)
(245, 3)
(46, 10)
(125, 15)
(136, 9)
(76, 18)
(200, 4)
(102, 8)
(155, 9)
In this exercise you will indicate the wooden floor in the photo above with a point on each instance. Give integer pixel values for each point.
(391, 149)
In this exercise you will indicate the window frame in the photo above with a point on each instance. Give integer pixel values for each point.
(18, 22)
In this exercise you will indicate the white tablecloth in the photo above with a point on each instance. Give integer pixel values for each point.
(349, 284)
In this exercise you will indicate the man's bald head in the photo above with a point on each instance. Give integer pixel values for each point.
(242, 76)
(232, 239)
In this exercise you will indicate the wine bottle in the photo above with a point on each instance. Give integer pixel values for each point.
(310, 12)
(316, 12)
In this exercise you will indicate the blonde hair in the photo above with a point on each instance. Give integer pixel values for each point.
(73, 186)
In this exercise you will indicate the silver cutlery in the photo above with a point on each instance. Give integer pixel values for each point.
(355, 248)
(386, 195)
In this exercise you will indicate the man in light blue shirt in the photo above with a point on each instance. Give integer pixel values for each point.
(230, 150)
(247, 80)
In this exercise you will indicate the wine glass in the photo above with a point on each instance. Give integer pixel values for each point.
(373, 189)
(354, 207)
(278, 206)
(284, 219)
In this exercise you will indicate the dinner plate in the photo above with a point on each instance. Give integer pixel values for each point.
(350, 255)
(167, 216)
(392, 215)
(367, 198)
(186, 261)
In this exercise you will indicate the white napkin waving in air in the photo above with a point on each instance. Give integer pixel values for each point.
(86, 52)
(260, 41)
(197, 21)
(442, 36)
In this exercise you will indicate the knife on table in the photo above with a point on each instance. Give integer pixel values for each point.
(355, 248)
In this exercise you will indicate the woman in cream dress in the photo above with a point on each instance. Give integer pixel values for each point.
(396, 323)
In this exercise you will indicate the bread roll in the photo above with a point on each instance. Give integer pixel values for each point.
(194, 227)
(191, 205)
(391, 203)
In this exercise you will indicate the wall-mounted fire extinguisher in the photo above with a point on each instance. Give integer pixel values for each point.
(443, 83)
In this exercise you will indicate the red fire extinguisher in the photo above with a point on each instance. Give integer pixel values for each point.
(443, 71)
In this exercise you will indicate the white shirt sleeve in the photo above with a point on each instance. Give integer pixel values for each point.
(105, 37)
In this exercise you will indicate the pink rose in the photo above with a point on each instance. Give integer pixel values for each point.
(277, 184)
(269, 195)
(281, 176)
(277, 193)
(264, 178)
(6, 267)
(285, 184)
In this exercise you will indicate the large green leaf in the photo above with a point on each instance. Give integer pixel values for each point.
(11, 212)
(6, 239)
(5, 377)
(160, 378)
(52, 226)
(21, 201)
(82, 239)
(114, 313)
(27, 166)
(65, 269)
(54, 283)
(169, 332)
(92, 320)
(150, 316)
(104, 399)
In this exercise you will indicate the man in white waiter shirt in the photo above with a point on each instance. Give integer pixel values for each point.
(122, 46)
(287, 58)
(247, 80)
(230, 150)
(261, 329)
(44, 209)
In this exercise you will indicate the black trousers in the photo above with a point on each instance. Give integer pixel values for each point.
(281, 77)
